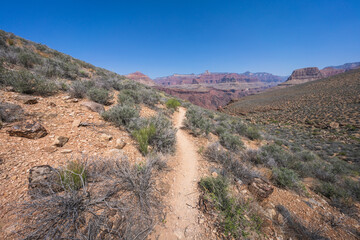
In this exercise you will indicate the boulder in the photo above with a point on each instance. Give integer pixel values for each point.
(60, 141)
(43, 181)
(29, 129)
(93, 106)
(10, 112)
(27, 99)
(260, 188)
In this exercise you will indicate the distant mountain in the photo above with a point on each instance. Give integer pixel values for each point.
(141, 78)
(217, 78)
(309, 74)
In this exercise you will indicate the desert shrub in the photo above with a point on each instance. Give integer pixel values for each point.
(286, 178)
(149, 97)
(128, 96)
(231, 142)
(230, 162)
(128, 85)
(274, 155)
(143, 136)
(164, 138)
(121, 115)
(122, 190)
(28, 83)
(243, 129)
(197, 121)
(99, 95)
(236, 218)
(173, 103)
(252, 133)
(74, 175)
(79, 89)
(28, 59)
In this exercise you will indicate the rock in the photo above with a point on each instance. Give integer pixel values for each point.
(214, 174)
(66, 97)
(271, 212)
(120, 144)
(43, 181)
(260, 188)
(93, 106)
(66, 151)
(27, 99)
(29, 129)
(9, 89)
(76, 123)
(105, 137)
(334, 125)
(52, 104)
(60, 141)
(10, 112)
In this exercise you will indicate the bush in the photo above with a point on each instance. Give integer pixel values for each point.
(143, 136)
(235, 216)
(197, 121)
(74, 175)
(231, 142)
(285, 178)
(28, 83)
(274, 155)
(173, 103)
(99, 95)
(248, 131)
(121, 115)
(164, 138)
(28, 60)
(129, 96)
(79, 89)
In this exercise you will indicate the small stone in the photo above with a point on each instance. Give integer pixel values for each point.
(76, 123)
(75, 100)
(334, 125)
(43, 181)
(60, 141)
(52, 104)
(120, 144)
(105, 137)
(27, 99)
(66, 151)
(214, 174)
(66, 98)
(271, 213)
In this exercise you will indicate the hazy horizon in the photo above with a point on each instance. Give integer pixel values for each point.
(160, 38)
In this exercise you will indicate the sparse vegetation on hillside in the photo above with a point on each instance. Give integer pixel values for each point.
(173, 104)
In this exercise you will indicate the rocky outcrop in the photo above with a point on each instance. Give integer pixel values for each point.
(141, 78)
(29, 129)
(10, 112)
(303, 75)
(260, 188)
(60, 141)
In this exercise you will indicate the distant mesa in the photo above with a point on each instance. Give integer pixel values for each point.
(303, 75)
(141, 78)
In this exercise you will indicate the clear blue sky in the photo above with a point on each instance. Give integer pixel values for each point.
(160, 38)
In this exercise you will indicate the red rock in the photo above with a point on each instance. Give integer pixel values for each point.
(260, 188)
(29, 129)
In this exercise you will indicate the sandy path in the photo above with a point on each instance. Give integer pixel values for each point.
(182, 216)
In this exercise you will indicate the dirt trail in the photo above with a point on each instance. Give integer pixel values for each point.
(182, 216)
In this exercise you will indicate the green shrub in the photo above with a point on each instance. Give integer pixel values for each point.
(164, 138)
(250, 132)
(231, 142)
(173, 103)
(274, 155)
(99, 95)
(235, 216)
(28, 83)
(143, 136)
(285, 178)
(197, 121)
(74, 175)
(79, 89)
(128, 96)
(121, 115)
(28, 60)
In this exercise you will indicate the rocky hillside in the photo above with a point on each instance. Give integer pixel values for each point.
(141, 78)
(217, 78)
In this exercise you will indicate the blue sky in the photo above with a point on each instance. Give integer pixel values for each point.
(160, 38)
